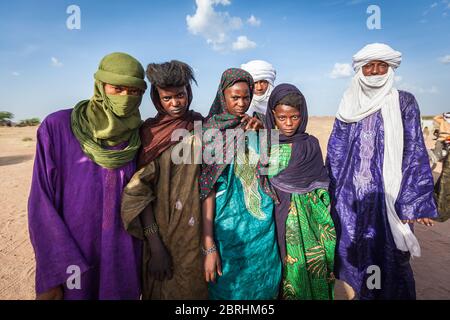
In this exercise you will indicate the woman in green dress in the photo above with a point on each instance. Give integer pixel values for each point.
(240, 246)
(305, 230)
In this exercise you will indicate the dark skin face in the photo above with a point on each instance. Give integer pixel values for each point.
(237, 98)
(375, 68)
(261, 87)
(122, 90)
(287, 119)
(174, 100)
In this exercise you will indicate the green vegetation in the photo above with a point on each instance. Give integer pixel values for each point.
(5, 118)
(29, 122)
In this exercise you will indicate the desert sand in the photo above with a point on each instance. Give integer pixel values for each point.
(17, 265)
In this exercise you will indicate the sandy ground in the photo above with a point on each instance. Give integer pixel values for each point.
(17, 257)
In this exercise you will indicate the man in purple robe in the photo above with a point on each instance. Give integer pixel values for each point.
(85, 157)
(381, 181)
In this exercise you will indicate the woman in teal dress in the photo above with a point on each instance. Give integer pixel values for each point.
(305, 229)
(241, 253)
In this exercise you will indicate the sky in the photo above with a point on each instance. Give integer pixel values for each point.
(47, 60)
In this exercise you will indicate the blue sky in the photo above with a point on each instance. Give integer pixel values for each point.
(44, 66)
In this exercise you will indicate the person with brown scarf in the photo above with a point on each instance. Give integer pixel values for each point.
(161, 204)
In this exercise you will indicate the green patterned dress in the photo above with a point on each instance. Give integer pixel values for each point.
(310, 240)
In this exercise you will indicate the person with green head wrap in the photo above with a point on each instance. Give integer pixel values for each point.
(112, 115)
(85, 157)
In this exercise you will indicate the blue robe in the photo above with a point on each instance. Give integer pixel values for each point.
(364, 238)
(245, 235)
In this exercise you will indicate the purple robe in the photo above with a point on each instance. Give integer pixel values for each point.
(364, 238)
(74, 219)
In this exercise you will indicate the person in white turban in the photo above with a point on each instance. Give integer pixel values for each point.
(381, 181)
(264, 75)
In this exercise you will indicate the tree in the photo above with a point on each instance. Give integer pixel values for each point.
(5, 118)
(29, 122)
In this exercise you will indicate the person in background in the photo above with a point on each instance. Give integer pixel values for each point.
(442, 188)
(264, 75)
(443, 126)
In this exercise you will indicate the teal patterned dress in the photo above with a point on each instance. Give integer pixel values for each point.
(245, 235)
(310, 240)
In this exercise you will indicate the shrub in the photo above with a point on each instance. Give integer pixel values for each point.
(29, 122)
(5, 118)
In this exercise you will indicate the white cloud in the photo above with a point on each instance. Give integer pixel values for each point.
(243, 43)
(417, 89)
(253, 21)
(16, 74)
(56, 63)
(213, 25)
(432, 90)
(354, 2)
(398, 79)
(445, 59)
(341, 70)
(435, 5)
(28, 50)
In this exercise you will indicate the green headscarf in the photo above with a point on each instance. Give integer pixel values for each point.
(108, 120)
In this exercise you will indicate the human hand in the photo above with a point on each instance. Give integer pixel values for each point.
(425, 221)
(213, 266)
(160, 265)
(253, 123)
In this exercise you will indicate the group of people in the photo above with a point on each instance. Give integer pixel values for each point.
(108, 200)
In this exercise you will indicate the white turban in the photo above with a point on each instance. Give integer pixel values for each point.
(366, 96)
(260, 70)
(377, 51)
